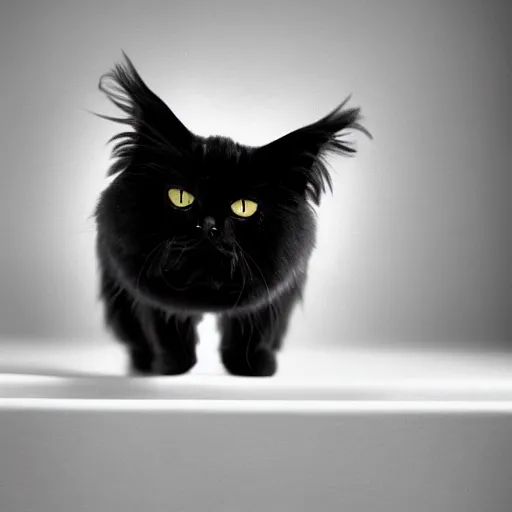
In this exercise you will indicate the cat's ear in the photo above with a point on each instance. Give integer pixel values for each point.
(299, 157)
(156, 127)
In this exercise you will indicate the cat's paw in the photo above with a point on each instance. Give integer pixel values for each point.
(258, 363)
(169, 366)
(141, 362)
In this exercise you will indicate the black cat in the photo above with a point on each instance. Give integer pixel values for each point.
(192, 225)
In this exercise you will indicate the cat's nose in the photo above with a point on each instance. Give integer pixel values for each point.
(210, 228)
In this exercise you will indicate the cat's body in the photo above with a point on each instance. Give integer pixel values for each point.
(192, 225)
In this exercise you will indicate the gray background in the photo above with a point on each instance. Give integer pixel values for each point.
(415, 244)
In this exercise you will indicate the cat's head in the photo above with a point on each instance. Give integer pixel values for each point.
(207, 223)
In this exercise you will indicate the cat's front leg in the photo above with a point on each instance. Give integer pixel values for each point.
(158, 343)
(173, 339)
(123, 320)
(246, 346)
(250, 341)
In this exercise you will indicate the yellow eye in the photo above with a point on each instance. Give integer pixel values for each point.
(180, 198)
(244, 207)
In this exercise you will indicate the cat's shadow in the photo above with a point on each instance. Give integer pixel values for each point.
(58, 372)
(46, 371)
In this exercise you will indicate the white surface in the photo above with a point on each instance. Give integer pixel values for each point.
(91, 370)
(334, 430)
(304, 375)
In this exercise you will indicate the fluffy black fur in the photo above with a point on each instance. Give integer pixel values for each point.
(162, 267)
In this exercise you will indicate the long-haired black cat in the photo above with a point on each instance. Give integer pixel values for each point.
(196, 224)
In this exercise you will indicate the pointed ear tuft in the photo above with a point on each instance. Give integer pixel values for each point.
(301, 154)
(155, 126)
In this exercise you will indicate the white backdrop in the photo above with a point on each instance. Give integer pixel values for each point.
(415, 244)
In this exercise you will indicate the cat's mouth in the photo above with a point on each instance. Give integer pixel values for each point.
(208, 287)
(197, 291)
(202, 278)
(198, 279)
(216, 285)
